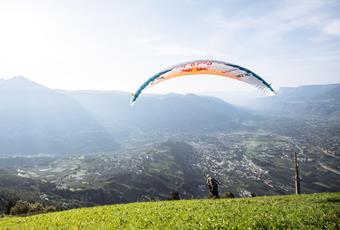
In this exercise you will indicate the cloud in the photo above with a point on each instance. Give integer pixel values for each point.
(283, 17)
(167, 44)
(86, 39)
(332, 27)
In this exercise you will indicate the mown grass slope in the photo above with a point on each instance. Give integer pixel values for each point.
(314, 211)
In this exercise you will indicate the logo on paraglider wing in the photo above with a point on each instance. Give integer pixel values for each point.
(241, 75)
(187, 70)
(198, 69)
(229, 70)
(201, 69)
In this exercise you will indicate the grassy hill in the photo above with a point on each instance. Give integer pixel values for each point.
(314, 211)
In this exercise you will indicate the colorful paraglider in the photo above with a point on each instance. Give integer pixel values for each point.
(207, 67)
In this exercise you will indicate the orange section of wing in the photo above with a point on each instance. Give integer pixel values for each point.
(194, 71)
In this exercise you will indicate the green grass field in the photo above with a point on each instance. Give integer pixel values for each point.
(314, 211)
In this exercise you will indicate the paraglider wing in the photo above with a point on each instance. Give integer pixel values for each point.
(207, 67)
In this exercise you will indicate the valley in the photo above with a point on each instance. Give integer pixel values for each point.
(94, 148)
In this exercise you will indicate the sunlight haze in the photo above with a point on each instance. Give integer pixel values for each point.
(116, 45)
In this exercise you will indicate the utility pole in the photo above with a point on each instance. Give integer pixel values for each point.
(296, 176)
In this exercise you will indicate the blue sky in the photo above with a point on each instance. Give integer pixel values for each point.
(116, 45)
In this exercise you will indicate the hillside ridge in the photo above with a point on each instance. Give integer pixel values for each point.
(313, 211)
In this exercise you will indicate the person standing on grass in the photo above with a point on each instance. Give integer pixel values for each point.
(212, 185)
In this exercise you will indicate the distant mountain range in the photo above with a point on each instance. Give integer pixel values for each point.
(304, 102)
(36, 119)
(171, 112)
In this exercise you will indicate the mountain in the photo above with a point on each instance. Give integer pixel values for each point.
(306, 102)
(309, 92)
(240, 98)
(155, 113)
(35, 119)
(21, 84)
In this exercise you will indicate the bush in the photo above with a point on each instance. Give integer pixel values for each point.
(36, 207)
(9, 206)
(50, 208)
(21, 207)
(174, 196)
(8, 199)
(24, 207)
(228, 195)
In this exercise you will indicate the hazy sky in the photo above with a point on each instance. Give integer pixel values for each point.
(98, 44)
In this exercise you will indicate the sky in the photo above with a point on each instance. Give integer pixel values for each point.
(117, 45)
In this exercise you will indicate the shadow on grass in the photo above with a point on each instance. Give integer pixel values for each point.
(333, 200)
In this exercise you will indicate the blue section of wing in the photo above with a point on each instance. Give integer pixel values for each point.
(146, 83)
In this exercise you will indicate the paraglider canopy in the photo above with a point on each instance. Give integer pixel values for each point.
(212, 67)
